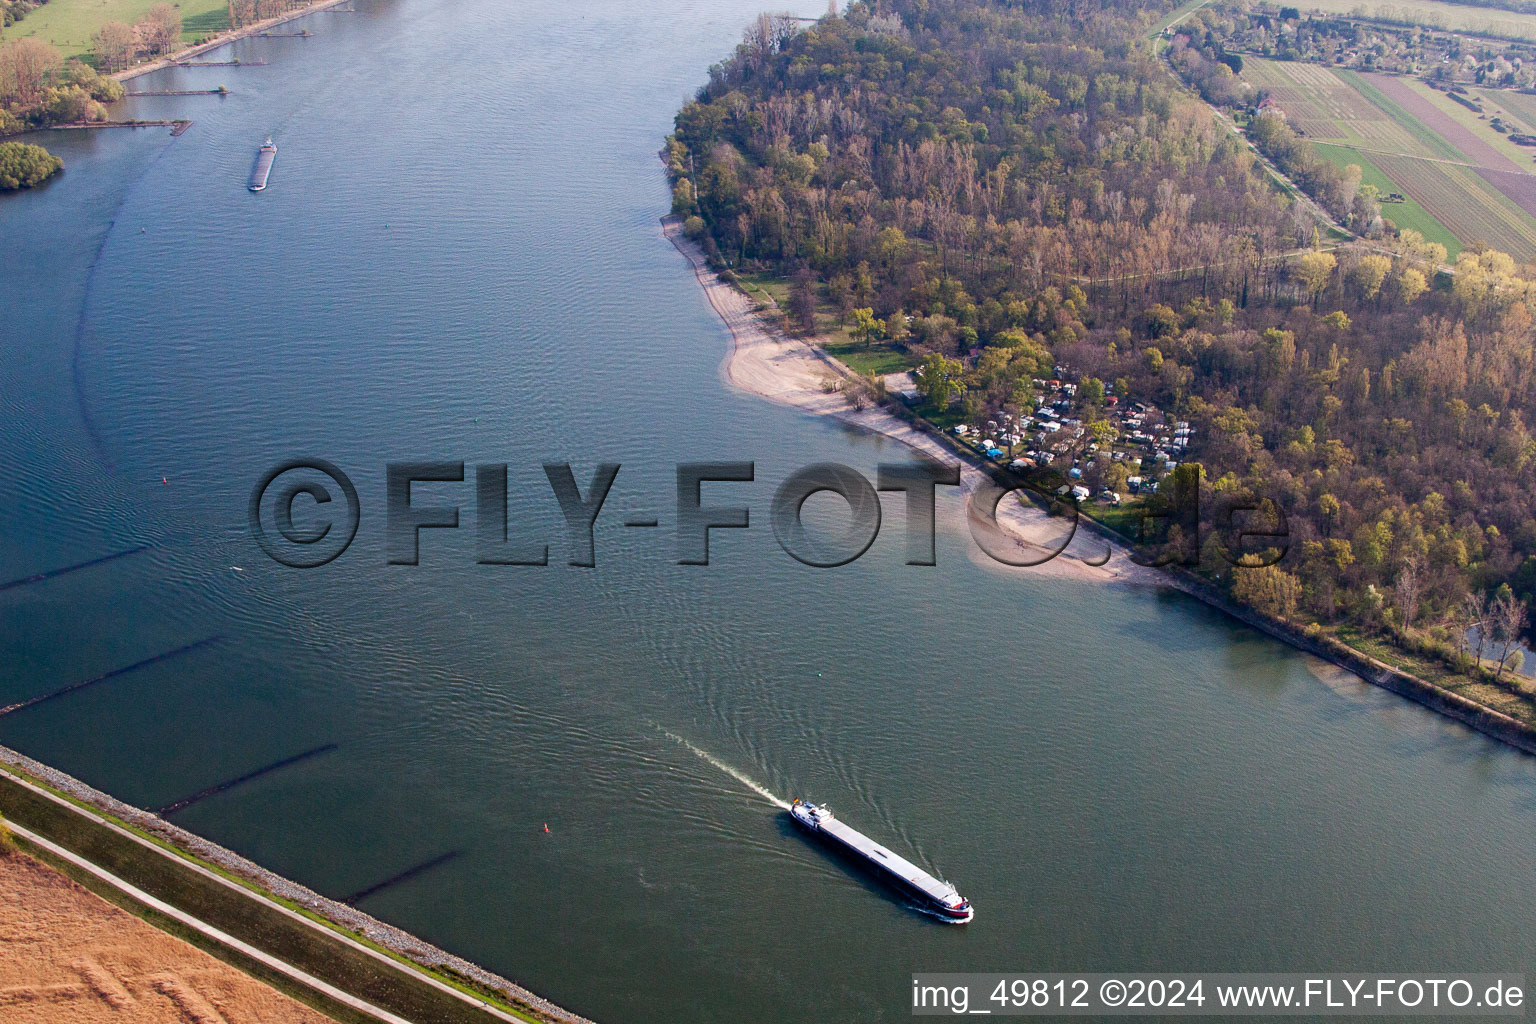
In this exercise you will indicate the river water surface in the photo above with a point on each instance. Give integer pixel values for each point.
(459, 259)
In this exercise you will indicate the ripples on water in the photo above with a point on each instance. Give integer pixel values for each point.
(459, 258)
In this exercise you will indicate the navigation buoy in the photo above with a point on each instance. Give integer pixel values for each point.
(165, 481)
(546, 826)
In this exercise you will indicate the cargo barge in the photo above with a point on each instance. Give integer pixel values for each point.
(935, 895)
(264, 157)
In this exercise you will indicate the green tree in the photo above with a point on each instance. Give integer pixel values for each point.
(683, 202)
(1410, 285)
(23, 165)
(1161, 321)
(939, 380)
(1103, 432)
(1267, 589)
(1314, 270)
(865, 327)
(1367, 275)
(1090, 392)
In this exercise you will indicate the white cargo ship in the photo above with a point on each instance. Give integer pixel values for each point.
(937, 896)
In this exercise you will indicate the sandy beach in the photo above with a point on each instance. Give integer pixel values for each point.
(763, 361)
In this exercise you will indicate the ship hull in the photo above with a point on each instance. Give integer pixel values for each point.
(880, 864)
(263, 167)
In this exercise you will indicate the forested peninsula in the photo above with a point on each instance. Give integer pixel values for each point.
(1083, 266)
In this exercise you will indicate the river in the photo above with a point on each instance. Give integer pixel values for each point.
(459, 259)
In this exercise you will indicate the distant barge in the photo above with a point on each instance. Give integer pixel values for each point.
(937, 896)
(264, 157)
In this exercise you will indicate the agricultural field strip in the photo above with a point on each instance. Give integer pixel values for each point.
(1331, 108)
(1481, 145)
(1520, 105)
(1464, 202)
(1409, 214)
(1349, 110)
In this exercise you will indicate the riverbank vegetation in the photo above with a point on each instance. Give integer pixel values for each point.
(39, 88)
(989, 191)
(22, 165)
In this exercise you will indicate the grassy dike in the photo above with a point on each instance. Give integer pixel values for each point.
(248, 914)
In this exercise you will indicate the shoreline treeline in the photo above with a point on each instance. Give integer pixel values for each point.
(993, 189)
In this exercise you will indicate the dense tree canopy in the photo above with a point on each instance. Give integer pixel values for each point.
(38, 88)
(1008, 189)
(23, 165)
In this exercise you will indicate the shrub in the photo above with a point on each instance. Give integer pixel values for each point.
(23, 165)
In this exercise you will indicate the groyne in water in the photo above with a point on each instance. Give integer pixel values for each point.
(30, 702)
(222, 787)
(177, 127)
(52, 574)
(404, 876)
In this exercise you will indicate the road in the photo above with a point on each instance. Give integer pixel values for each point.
(223, 938)
(287, 969)
(1288, 186)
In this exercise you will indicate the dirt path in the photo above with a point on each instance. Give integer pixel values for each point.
(69, 957)
(767, 363)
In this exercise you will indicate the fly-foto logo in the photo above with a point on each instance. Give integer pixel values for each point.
(305, 512)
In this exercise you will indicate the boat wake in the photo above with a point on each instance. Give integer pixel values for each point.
(739, 776)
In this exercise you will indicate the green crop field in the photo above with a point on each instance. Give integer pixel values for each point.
(1464, 202)
(1410, 216)
(69, 24)
(1408, 138)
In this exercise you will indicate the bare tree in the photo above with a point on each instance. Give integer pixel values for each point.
(160, 28)
(115, 44)
(766, 36)
(1410, 588)
(24, 66)
(1479, 618)
(1510, 617)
